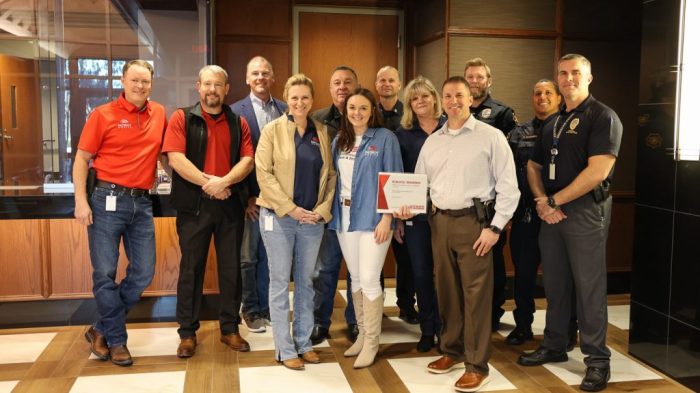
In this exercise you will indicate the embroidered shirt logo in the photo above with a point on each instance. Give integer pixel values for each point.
(315, 141)
(486, 113)
(123, 123)
(572, 126)
(372, 151)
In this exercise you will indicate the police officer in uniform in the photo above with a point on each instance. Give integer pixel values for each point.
(496, 114)
(569, 175)
(526, 224)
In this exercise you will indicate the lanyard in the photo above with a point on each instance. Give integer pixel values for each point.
(556, 133)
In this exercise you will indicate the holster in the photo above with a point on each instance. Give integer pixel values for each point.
(602, 192)
(91, 181)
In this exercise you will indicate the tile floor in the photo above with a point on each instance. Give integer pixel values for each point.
(26, 357)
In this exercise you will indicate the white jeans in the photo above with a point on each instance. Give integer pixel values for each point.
(364, 257)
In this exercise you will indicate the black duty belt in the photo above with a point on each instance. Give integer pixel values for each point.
(456, 213)
(121, 190)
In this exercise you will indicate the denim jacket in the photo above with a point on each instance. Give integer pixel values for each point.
(379, 151)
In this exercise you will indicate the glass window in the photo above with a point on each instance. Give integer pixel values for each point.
(64, 58)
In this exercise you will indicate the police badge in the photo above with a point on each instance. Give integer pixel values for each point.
(572, 126)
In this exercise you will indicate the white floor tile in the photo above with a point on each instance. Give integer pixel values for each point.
(167, 382)
(508, 323)
(619, 316)
(395, 330)
(622, 369)
(417, 379)
(23, 348)
(7, 386)
(152, 342)
(265, 342)
(324, 377)
(389, 296)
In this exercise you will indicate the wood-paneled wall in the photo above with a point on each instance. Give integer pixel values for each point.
(50, 258)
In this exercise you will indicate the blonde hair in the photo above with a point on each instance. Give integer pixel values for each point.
(298, 80)
(414, 88)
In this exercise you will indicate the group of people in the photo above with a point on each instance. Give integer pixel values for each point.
(287, 192)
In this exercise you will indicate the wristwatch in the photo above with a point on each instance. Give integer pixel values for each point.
(551, 203)
(495, 229)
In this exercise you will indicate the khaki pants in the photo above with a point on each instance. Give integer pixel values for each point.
(464, 285)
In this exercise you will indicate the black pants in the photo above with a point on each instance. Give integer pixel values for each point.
(526, 259)
(224, 220)
(419, 246)
(573, 259)
(404, 276)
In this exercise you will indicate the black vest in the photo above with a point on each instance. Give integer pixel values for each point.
(186, 196)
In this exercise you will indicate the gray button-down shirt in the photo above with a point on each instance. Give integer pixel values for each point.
(474, 163)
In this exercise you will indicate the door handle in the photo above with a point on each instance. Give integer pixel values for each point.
(8, 137)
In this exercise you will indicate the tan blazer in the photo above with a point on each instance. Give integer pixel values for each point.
(275, 162)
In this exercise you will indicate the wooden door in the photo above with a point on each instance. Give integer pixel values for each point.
(363, 42)
(20, 118)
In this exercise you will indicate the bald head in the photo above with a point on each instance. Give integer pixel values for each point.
(388, 83)
(260, 77)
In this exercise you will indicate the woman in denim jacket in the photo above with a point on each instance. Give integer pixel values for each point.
(361, 150)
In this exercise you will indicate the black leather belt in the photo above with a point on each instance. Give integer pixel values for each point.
(121, 190)
(456, 213)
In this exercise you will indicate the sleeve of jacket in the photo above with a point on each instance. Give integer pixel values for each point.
(324, 208)
(270, 188)
(392, 154)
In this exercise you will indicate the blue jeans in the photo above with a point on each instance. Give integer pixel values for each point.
(290, 241)
(326, 281)
(132, 221)
(255, 272)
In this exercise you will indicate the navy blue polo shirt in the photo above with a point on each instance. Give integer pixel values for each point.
(590, 129)
(308, 164)
(411, 141)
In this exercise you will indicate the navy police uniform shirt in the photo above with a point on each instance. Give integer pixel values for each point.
(495, 114)
(392, 117)
(590, 129)
(308, 163)
(522, 140)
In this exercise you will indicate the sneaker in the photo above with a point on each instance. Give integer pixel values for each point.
(254, 323)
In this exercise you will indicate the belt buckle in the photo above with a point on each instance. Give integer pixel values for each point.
(347, 202)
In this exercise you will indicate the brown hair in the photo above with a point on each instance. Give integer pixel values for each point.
(137, 62)
(346, 133)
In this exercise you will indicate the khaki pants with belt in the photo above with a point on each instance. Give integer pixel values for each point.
(464, 285)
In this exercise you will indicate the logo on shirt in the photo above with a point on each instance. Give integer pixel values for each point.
(123, 123)
(372, 151)
(315, 141)
(486, 113)
(572, 126)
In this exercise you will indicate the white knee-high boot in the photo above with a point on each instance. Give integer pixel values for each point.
(373, 327)
(355, 349)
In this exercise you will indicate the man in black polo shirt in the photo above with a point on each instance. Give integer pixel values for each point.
(496, 114)
(569, 174)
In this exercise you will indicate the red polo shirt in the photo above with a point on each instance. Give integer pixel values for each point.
(125, 141)
(217, 161)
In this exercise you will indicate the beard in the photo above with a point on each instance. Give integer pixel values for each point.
(212, 100)
(479, 93)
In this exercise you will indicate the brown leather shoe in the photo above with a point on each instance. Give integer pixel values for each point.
(187, 347)
(444, 365)
(311, 357)
(236, 342)
(293, 364)
(98, 344)
(471, 382)
(120, 355)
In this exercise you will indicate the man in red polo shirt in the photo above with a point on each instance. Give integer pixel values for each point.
(123, 139)
(210, 149)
